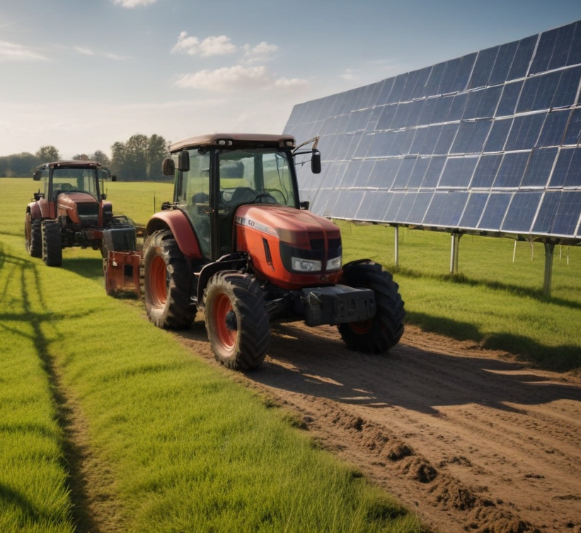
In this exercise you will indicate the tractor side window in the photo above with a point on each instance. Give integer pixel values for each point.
(277, 178)
(44, 181)
(194, 196)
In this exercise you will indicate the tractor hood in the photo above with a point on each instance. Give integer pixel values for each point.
(295, 227)
(80, 207)
(290, 248)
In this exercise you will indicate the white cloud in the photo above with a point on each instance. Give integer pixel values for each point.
(239, 78)
(211, 46)
(84, 51)
(18, 53)
(260, 53)
(292, 84)
(130, 4)
(226, 79)
(116, 57)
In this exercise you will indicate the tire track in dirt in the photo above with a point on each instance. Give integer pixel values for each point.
(470, 439)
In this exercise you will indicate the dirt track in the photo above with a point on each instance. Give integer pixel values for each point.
(468, 438)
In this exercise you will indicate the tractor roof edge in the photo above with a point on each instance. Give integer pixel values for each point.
(213, 139)
(75, 163)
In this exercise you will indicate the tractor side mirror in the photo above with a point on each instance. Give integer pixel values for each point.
(316, 162)
(184, 161)
(168, 167)
(113, 177)
(36, 175)
(103, 197)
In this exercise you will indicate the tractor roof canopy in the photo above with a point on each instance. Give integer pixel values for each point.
(256, 140)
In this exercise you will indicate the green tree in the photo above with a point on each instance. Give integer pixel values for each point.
(46, 154)
(139, 158)
(156, 152)
(101, 157)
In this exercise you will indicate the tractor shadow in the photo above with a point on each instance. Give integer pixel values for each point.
(305, 362)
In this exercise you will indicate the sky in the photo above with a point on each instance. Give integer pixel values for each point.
(82, 74)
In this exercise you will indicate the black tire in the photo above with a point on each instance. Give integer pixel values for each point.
(236, 320)
(383, 331)
(52, 251)
(166, 282)
(33, 236)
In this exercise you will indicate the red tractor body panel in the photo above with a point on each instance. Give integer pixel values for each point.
(80, 208)
(181, 228)
(273, 235)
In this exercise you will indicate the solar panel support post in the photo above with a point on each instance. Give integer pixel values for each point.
(454, 253)
(549, 250)
(396, 238)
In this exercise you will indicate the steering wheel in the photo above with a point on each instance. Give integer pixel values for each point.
(265, 198)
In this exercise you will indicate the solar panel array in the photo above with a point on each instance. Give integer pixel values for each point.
(488, 142)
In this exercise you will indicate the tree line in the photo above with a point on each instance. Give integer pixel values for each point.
(137, 159)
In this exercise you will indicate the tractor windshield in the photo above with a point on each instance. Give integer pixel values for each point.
(256, 176)
(74, 180)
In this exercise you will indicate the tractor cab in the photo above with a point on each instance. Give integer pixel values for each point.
(217, 174)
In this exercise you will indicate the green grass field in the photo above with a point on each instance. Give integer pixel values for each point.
(110, 424)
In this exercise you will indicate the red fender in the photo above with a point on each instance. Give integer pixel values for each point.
(34, 209)
(181, 228)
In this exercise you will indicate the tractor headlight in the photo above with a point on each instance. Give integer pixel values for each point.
(334, 264)
(305, 265)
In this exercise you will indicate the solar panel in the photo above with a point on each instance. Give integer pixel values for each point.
(490, 141)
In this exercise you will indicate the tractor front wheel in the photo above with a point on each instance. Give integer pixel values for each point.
(384, 330)
(52, 252)
(33, 235)
(166, 282)
(236, 320)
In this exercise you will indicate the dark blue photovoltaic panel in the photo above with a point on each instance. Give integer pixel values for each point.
(503, 62)
(390, 214)
(498, 135)
(494, 211)
(567, 171)
(511, 170)
(403, 175)
(521, 212)
(458, 172)
(553, 128)
(524, 132)
(418, 173)
(405, 207)
(573, 135)
(539, 168)
(471, 136)
(433, 172)
(509, 99)
(446, 209)
(419, 207)
(490, 141)
(474, 209)
(483, 69)
(486, 171)
(559, 213)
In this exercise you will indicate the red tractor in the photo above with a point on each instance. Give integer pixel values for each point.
(237, 243)
(70, 210)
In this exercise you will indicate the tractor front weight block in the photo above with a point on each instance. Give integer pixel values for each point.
(338, 304)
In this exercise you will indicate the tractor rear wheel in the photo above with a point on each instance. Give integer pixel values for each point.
(384, 330)
(33, 235)
(166, 282)
(236, 320)
(52, 252)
